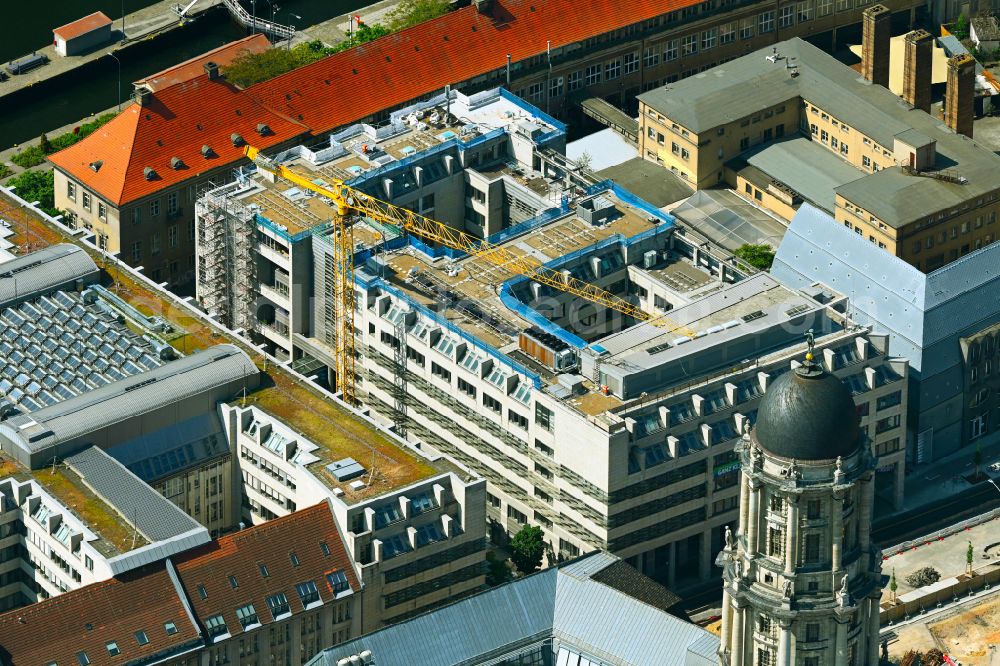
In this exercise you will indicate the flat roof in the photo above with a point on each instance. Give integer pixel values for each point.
(805, 166)
(605, 148)
(728, 220)
(649, 181)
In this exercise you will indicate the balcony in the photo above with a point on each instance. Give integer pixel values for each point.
(277, 293)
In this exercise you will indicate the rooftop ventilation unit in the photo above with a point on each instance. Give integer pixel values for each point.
(176, 163)
(345, 469)
(263, 129)
(207, 151)
(236, 139)
(150, 173)
(96, 165)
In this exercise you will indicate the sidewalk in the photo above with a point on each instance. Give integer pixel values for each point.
(946, 477)
(5, 155)
(333, 31)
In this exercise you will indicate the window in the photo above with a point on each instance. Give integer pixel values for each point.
(978, 427)
(83, 658)
(786, 16)
(866, 162)
(593, 74)
(631, 61)
(466, 388)
(172, 203)
(294, 558)
(575, 81)
(202, 592)
(516, 515)
(670, 50)
(216, 626)
(813, 508)
(651, 57)
(746, 28)
(765, 22)
(727, 33)
(112, 648)
(86, 207)
(890, 400)
(170, 628)
(812, 548)
(136, 251)
(439, 371)
(337, 581)
(71, 190)
(886, 424)
(172, 235)
(232, 582)
(307, 592)
(823, 136)
(613, 69)
(154, 244)
(824, 7)
(689, 45)
(803, 11)
(277, 604)
(492, 403)
(518, 420)
(844, 5)
(544, 417)
(141, 638)
(708, 39)
(775, 543)
(812, 632)
(555, 87)
(843, 148)
(154, 208)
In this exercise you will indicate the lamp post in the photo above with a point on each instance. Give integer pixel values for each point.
(253, 17)
(994, 484)
(123, 21)
(119, 79)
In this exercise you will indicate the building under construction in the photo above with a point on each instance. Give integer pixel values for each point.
(599, 393)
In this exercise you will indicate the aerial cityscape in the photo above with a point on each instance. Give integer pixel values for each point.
(500, 333)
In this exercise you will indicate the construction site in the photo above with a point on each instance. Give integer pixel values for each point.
(452, 273)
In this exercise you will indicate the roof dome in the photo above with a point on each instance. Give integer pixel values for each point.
(808, 414)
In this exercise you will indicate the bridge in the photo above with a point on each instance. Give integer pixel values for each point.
(277, 31)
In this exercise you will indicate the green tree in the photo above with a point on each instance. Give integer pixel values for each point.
(248, 68)
(968, 558)
(411, 12)
(36, 186)
(498, 571)
(961, 27)
(892, 585)
(759, 256)
(45, 144)
(526, 549)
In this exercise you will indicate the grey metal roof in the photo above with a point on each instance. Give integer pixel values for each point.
(805, 166)
(752, 83)
(918, 311)
(563, 604)
(42, 271)
(149, 512)
(179, 446)
(728, 220)
(198, 374)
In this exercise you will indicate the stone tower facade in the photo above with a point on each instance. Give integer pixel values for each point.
(876, 31)
(802, 579)
(919, 46)
(959, 94)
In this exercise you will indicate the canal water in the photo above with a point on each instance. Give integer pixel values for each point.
(94, 87)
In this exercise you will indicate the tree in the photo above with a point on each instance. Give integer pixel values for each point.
(249, 68)
(759, 256)
(411, 12)
(961, 27)
(36, 186)
(498, 571)
(526, 549)
(45, 144)
(968, 559)
(892, 585)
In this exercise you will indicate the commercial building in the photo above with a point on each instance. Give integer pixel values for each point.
(790, 124)
(550, 617)
(485, 366)
(133, 182)
(279, 592)
(941, 322)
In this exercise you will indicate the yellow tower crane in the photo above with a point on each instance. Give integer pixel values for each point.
(348, 200)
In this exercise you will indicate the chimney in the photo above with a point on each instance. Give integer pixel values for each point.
(958, 96)
(484, 7)
(875, 44)
(917, 69)
(212, 70)
(143, 95)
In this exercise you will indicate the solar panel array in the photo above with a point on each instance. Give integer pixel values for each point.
(58, 347)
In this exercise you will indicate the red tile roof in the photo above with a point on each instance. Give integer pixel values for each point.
(195, 67)
(271, 545)
(175, 122)
(346, 86)
(85, 620)
(82, 26)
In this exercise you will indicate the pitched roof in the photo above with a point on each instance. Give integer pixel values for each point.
(326, 94)
(87, 619)
(175, 122)
(195, 67)
(458, 46)
(289, 549)
(82, 26)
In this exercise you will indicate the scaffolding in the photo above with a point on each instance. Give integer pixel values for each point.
(227, 269)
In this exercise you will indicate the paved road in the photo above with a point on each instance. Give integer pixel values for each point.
(887, 532)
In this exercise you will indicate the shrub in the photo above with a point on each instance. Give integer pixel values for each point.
(961, 27)
(922, 577)
(527, 548)
(36, 186)
(5, 170)
(29, 157)
(759, 256)
(35, 155)
(411, 12)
